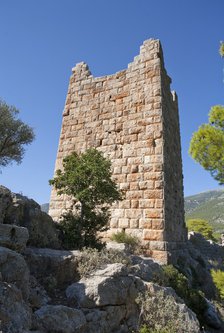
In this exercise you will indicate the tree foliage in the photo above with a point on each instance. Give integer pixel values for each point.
(14, 134)
(201, 226)
(207, 144)
(221, 49)
(218, 279)
(87, 179)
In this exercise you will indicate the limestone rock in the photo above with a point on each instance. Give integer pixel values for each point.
(14, 270)
(38, 296)
(211, 316)
(118, 246)
(60, 319)
(108, 319)
(15, 314)
(109, 286)
(146, 268)
(13, 237)
(47, 263)
(18, 210)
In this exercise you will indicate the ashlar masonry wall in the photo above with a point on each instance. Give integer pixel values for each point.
(132, 117)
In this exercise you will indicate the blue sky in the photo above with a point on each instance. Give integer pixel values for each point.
(42, 40)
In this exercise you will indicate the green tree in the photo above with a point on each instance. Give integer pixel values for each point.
(221, 49)
(207, 144)
(87, 179)
(201, 226)
(218, 279)
(14, 134)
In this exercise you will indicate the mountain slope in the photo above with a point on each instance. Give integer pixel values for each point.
(209, 206)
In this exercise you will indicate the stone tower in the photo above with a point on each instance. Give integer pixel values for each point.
(132, 117)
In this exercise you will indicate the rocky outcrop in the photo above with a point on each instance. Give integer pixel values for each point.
(174, 309)
(41, 290)
(16, 209)
(45, 264)
(110, 286)
(13, 237)
(146, 269)
(38, 296)
(14, 270)
(15, 313)
(60, 319)
(108, 297)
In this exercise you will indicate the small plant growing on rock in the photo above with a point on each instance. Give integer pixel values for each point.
(218, 279)
(160, 314)
(193, 298)
(122, 237)
(92, 260)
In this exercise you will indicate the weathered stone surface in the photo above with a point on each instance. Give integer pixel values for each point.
(211, 317)
(15, 314)
(5, 202)
(60, 319)
(18, 210)
(38, 296)
(136, 117)
(13, 237)
(109, 286)
(47, 263)
(110, 319)
(146, 269)
(14, 270)
(118, 246)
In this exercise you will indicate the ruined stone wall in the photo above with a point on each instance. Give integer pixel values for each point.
(132, 117)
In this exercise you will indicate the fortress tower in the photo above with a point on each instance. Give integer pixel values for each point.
(132, 117)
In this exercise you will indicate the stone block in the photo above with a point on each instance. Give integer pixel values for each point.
(157, 224)
(146, 203)
(123, 223)
(134, 203)
(145, 223)
(155, 235)
(154, 213)
(134, 223)
(153, 194)
(133, 213)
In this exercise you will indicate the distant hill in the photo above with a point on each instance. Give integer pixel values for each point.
(209, 206)
(45, 207)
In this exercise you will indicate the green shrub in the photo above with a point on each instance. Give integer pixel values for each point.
(92, 260)
(218, 279)
(87, 179)
(122, 237)
(145, 329)
(201, 226)
(193, 298)
(76, 235)
(161, 314)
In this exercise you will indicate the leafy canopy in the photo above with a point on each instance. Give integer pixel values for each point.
(221, 49)
(218, 279)
(14, 134)
(201, 226)
(207, 144)
(87, 179)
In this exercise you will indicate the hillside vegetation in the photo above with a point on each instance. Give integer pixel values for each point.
(209, 206)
